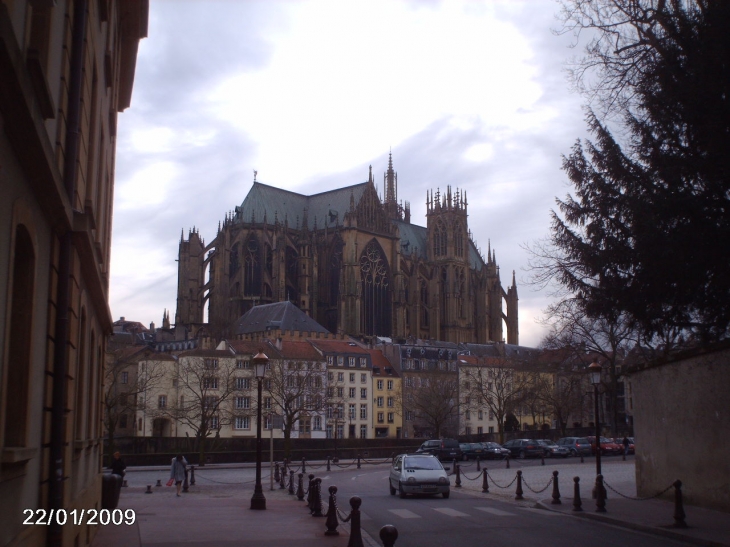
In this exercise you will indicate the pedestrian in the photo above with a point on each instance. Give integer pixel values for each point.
(178, 470)
(118, 466)
(626, 444)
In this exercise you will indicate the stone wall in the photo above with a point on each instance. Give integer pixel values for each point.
(682, 427)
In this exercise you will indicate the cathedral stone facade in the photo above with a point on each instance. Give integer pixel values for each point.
(353, 262)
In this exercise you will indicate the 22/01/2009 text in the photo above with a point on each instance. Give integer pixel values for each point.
(78, 517)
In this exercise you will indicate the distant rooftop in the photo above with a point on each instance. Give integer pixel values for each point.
(283, 316)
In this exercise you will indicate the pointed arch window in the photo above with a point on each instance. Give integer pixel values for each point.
(458, 240)
(424, 302)
(439, 239)
(252, 267)
(292, 275)
(376, 289)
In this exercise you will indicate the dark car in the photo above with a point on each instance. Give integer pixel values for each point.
(494, 451)
(443, 449)
(578, 446)
(553, 450)
(524, 448)
(471, 451)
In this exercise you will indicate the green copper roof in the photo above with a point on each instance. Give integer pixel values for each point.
(328, 208)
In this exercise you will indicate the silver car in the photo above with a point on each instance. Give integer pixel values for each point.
(418, 474)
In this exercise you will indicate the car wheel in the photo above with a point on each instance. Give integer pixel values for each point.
(401, 493)
(392, 490)
(446, 495)
(574, 452)
(522, 455)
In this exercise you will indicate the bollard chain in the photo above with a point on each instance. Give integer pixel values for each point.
(537, 491)
(499, 485)
(636, 498)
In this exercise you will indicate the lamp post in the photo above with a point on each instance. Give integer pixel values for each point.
(258, 500)
(594, 369)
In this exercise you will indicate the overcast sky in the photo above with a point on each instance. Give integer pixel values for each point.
(469, 94)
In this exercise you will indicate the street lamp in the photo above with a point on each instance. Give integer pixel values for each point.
(258, 500)
(594, 369)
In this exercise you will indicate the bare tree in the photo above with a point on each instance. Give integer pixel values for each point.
(431, 400)
(297, 389)
(206, 386)
(124, 386)
(561, 393)
(496, 385)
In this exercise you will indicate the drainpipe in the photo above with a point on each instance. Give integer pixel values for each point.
(60, 345)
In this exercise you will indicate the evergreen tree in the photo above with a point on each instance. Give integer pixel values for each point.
(647, 232)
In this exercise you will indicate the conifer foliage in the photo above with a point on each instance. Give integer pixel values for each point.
(647, 229)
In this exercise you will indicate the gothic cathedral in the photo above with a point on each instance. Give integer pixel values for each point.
(354, 263)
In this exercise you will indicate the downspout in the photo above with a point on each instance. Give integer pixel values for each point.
(60, 353)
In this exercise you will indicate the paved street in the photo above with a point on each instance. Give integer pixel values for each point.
(216, 510)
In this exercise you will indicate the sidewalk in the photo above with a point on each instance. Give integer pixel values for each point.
(217, 516)
(654, 516)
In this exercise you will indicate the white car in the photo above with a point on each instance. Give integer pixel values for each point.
(418, 474)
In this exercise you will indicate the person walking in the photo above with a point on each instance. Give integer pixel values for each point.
(118, 466)
(178, 470)
(626, 444)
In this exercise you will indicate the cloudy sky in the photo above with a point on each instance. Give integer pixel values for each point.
(469, 94)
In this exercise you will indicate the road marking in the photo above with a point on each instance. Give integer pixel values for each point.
(450, 512)
(542, 512)
(404, 513)
(496, 512)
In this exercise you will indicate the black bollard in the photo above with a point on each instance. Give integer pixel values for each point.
(354, 518)
(317, 509)
(556, 490)
(159, 483)
(291, 482)
(149, 489)
(479, 468)
(542, 460)
(185, 481)
(458, 476)
(282, 484)
(358, 461)
(388, 535)
(328, 464)
(277, 477)
(304, 465)
(519, 492)
(300, 488)
(581, 457)
(678, 507)
(124, 483)
(507, 461)
(485, 481)
(454, 466)
(332, 521)
(192, 475)
(600, 495)
(576, 494)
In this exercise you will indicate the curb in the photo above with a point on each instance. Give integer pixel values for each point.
(654, 530)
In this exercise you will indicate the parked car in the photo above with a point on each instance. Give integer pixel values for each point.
(418, 474)
(608, 447)
(524, 448)
(578, 446)
(443, 449)
(495, 451)
(553, 450)
(620, 441)
(470, 451)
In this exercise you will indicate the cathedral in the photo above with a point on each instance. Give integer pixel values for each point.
(353, 262)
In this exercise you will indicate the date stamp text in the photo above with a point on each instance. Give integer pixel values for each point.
(79, 517)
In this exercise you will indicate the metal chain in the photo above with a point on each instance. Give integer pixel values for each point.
(537, 491)
(498, 485)
(469, 478)
(634, 498)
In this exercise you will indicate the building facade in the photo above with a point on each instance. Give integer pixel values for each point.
(351, 261)
(66, 70)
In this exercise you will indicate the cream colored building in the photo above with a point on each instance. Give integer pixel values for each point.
(66, 71)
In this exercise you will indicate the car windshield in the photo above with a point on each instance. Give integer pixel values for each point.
(605, 440)
(422, 463)
(583, 441)
(491, 445)
(549, 443)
